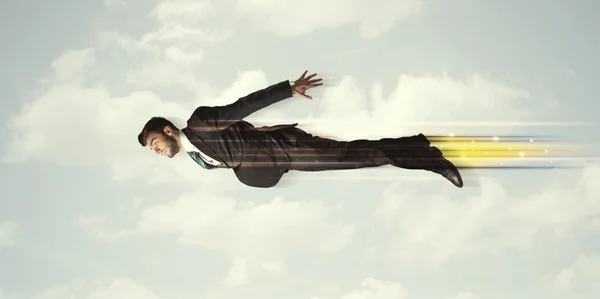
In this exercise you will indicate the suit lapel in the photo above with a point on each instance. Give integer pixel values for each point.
(200, 144)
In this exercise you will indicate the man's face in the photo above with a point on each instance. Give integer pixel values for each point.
(163, 144)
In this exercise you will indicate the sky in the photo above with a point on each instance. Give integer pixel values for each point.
(86, 212)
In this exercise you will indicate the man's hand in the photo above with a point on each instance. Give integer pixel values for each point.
(303, 84)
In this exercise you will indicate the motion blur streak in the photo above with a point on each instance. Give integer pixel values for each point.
(510, 151)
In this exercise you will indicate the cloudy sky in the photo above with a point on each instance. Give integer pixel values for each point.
(87, 213)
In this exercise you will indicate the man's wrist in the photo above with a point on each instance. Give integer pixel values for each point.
(293, 86)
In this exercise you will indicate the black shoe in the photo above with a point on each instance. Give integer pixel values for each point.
(436, 151)
(446, 169)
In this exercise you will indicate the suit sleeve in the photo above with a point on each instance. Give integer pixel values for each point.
(221, 117)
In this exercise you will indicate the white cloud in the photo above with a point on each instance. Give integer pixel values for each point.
(72, 66)
(237, 273)
(183, 19)
(294, 18)
(377, 289)
(184, 36)
(101, 228)
(121, 287)
(432, 104)
(373, 288)
(168, 55)
(579, 279)
(245, 83)
(489, 221)
(188, 12)
(248, 229)
(182, 23)
(9, 232)
(259, 236)
(277, 267)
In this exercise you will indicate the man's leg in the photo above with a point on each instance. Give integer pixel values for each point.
(315, 153)
(319, 154)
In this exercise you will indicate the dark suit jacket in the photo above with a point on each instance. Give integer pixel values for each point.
(258, 156)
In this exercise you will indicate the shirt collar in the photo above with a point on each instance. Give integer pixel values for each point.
(185, 142)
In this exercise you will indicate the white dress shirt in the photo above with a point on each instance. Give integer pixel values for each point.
(189, 147)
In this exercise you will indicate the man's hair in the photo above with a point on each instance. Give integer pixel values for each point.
(155, 125)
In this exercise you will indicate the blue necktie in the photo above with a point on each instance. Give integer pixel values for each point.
(201, 162)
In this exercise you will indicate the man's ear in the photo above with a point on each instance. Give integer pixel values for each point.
(168, 130)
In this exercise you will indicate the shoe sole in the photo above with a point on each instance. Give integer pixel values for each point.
(451, 166)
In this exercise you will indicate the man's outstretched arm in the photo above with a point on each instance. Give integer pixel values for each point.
(221, 117)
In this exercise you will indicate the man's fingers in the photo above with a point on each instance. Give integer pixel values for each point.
(303, 74)
(309, 77)
(305, 83)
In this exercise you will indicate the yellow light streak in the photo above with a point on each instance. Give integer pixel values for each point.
(482, 152)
